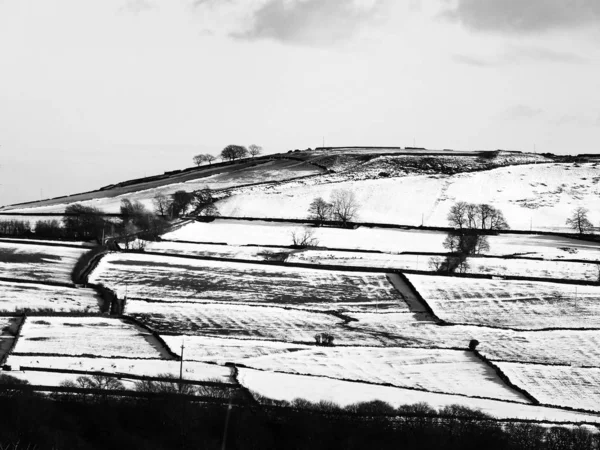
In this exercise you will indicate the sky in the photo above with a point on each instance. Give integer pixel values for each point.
(96, 92)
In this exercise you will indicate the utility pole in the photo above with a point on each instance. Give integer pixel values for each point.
(181, 368)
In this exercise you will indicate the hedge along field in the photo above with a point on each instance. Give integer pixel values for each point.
(20, 297)
(510, 304)
(96, 336)
(572, 387)
(242, 322)
(167, 278)
(434, 370)
(38, 262)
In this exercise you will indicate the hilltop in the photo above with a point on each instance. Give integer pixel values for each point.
(393, 185)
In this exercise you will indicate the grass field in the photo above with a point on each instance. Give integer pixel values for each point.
(38, 262)
(192, 370)
(18, 297)
(96, 336)
(572, 387)
(444, 371)
(166, 278)
(240, 321)
(510, 304)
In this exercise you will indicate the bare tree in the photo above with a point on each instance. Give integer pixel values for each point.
(476, 216)
(436, 263)
(209, 158)
(255, 150)
(579, 220)
(319, 210)
(304, 238)
(344, 206)
(458, 215)
(161, 204)
(199, 159)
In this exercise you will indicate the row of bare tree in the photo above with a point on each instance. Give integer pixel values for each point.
(231, 153)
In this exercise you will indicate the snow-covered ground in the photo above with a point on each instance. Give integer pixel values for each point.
(242, 232)
(94, 336)
(283, 386)
(568, 347)
(538, 196)
(171, 278)
(15, 297)
(262, 233)
(195, 371)
(224, 350)
(38, 262)
(573, 387)
(510, 304)
(241, 321)
(266, 171)
(434, 370)
(10, 240)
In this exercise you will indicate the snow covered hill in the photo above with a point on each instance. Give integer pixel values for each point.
(540, 196)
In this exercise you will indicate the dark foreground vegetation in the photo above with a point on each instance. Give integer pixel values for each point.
(32, 421)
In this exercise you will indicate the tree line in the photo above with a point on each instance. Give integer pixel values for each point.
(229, 153)
(82, 222)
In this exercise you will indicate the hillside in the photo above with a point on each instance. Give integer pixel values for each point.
(531, 189)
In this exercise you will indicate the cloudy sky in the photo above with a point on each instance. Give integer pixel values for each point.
(94, 92)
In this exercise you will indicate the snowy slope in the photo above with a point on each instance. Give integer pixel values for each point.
(540, 196)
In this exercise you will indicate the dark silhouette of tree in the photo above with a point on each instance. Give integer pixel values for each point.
(161, 204)
(579, 220)
(180, 202)
(83, 222)
(204, 202)
(319, 210)
(233, 152)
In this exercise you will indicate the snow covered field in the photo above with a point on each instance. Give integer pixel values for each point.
(572, 387)
(192, 370)
(283, 386)
(91, 336)
(540, 196)
(241, 321)
(15, 297)
(224, 350)
(510, 304)
(261, 233)
(167, 278)
(242, 232)
(444, 371)
(38, 262)
(567, 347)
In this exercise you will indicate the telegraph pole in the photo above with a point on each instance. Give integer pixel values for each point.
(181, 368)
